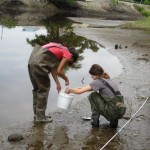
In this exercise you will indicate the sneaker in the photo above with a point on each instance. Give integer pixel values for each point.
(44, 120)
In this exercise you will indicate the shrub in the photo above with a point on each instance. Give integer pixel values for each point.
(146, 13)
(138, 8)
(147, 2)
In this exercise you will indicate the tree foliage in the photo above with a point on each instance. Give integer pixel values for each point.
(60, 30)
(147, 2)
(143, 1)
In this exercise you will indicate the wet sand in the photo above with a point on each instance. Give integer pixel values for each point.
(69, 132)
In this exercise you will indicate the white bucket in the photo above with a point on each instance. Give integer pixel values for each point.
(64, 100)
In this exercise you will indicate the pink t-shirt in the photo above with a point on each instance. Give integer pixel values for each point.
(58, 50)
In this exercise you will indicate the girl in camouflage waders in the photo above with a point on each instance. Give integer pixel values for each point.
(50, 58)
(105, 100)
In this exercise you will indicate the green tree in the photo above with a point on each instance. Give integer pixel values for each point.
(8, 22)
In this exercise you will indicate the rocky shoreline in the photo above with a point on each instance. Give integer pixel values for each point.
(95, 8)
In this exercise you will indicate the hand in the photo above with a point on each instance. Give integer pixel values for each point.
(66, 82)
(58, 88)
(67, 91)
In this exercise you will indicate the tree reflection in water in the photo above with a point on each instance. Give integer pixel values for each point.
(60, 30)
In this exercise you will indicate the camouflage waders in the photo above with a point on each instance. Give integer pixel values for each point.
(40, 64)
(111, 108)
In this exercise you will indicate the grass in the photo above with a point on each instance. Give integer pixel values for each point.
(142, 10)
(146, 13)
(140, 24)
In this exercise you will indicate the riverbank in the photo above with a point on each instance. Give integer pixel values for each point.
(68, 131)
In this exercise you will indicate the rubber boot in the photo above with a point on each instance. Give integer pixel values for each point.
(113, 123)
(41, 108)
(95, 120)
(34, 104)
(40, 116)
(34, 110)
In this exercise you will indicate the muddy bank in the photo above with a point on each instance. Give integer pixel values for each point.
(69, 132)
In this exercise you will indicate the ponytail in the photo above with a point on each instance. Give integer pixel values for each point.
(105, 75)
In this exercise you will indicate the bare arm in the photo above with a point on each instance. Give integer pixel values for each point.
(79, 90)
(54, 74)
(60, 70)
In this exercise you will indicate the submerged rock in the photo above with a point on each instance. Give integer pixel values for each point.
(15, 137)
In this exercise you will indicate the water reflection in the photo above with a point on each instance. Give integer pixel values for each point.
(15, 48)
(37, 139)
(7, 22)
(60, 30)
(42, 138)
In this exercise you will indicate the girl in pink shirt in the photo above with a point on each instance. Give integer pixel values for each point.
(58, 50)
(50, 58)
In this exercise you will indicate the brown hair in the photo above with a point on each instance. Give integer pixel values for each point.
(74, 53)
(98, 70)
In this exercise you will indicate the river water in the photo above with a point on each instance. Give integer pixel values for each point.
(16, 44)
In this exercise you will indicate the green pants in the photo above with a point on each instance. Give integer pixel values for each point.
(109, 107)
(40, 64)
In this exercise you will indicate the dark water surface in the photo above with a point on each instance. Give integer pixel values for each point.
(16, 44)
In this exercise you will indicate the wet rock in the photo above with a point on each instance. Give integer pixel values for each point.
(145, 55)
(139, 119)
(126, 117)
(116, 46)
(15, 137)
(135, 134)
(145, 59)
(120, 46)
(148, 138)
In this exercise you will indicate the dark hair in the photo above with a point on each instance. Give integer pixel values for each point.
(98, 70)
(74, 53)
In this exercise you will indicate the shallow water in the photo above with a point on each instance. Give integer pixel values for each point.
(15, 86)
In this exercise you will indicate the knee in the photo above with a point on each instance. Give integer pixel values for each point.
(92, 96)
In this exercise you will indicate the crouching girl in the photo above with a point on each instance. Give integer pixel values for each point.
(105, 100)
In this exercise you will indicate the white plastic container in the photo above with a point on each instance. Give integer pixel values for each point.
(64, 100)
